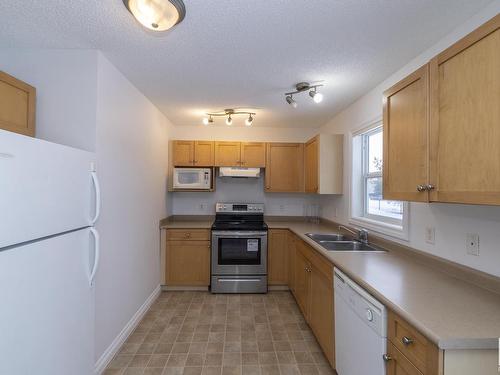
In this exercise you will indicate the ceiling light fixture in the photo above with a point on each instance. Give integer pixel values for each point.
(207, 120)
(317, 96)
(229, 113)
(249, 120)
(289, 100)
(157, 15)
(301, 87)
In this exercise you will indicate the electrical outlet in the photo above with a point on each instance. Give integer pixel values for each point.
(282, 207)
(472, 244)
(430, 235)
(202, 206)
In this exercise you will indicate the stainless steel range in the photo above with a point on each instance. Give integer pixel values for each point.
(239, 249)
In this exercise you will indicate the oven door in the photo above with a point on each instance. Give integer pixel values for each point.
(239, 253)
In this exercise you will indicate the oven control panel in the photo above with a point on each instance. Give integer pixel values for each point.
(243, 208)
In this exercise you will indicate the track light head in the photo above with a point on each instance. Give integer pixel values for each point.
(289, 100)
(249, 120)
(229, 120)
(317, 97)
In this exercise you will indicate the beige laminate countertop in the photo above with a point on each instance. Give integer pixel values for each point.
(450, 312)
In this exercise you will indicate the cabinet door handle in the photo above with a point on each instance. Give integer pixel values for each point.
(387, 357)
(406, 340)
(430, 187)
(421, 188)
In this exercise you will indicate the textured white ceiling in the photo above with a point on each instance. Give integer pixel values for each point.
(240, 53)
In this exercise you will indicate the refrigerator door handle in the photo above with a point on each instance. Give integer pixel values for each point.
(97, 253)
(97, 198)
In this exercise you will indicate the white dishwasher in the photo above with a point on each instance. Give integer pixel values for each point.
(360, 329)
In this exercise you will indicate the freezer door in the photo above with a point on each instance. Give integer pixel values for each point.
(45, 188)
(46, 318)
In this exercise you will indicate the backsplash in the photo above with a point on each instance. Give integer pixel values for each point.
(250, 190)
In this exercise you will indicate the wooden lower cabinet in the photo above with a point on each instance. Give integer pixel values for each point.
(277, 257)
(313, 292)
(291, 242)
(410, 352)
(398, 363)
(302, 281)
(321, 314)
(187, 260)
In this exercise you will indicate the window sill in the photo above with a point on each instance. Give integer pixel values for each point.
(391, 230)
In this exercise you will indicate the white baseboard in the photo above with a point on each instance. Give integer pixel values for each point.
(110, 352)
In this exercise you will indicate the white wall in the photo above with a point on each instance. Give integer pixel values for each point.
(66, 87)
(451, 221)
(243, 133)
(236, 190)
(132, 156)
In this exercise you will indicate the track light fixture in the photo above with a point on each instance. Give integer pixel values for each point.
(249, 120)
(289, 100)
(301, 87)
(229, 113)
(208, 120)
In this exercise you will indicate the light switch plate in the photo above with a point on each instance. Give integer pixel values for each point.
(430, 235)
(472, 244)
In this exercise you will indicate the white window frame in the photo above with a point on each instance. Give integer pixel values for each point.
(358, 213)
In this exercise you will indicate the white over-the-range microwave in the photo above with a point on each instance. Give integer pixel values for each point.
(192, 178)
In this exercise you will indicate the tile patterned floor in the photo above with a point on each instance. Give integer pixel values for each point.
(198, 333)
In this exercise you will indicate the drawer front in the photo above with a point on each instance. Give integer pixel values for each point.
(408, 341)
(188, 234)
(398, 363)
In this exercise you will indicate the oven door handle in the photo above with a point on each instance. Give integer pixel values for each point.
(238, 280)
(234, 234)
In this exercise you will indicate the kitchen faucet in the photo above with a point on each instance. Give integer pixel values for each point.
(362, 234)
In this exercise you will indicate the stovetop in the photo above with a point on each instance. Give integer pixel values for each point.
(239, 217)
(239, 222)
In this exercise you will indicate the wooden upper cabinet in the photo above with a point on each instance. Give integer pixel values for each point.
(323, 164)
(311, 165)
(193, 153)
(285, 167)
(278, 257)
(183, 153)
(204, 153)
(17, 105)
(227, 154)
(406, 124)
(253, 154)
(465, 119)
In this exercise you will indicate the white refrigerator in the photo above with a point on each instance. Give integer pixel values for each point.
(49, 253)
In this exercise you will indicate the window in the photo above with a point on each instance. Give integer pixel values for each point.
(368, 208)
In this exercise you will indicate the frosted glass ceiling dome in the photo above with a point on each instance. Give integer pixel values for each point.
(157, 15)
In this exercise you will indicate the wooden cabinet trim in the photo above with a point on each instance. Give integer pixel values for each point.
(470, 39)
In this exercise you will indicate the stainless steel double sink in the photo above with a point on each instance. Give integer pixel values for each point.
(339, 242)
